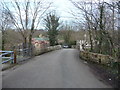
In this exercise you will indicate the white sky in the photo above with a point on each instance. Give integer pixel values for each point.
(62, 7)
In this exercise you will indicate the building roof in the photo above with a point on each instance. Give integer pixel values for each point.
(41, 39)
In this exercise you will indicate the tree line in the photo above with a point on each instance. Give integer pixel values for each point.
(24, 18)
(101, 20)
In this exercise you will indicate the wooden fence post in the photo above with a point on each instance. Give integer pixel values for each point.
(15, 56)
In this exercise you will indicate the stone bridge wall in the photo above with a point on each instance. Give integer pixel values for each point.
(97, 58)
(39, 51)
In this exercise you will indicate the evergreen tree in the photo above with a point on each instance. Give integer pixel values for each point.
(52, 25)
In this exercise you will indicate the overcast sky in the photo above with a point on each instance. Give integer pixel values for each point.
(62, 7)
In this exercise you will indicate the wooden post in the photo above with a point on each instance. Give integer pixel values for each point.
(15, 57)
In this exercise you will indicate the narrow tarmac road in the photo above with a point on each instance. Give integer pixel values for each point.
(57, 69)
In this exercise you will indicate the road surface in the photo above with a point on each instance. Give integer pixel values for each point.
(56, 69)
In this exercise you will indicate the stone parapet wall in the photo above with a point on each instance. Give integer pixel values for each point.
(95, 57)
(39, 51)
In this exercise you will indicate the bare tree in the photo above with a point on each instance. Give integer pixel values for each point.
(99, 20)
(88, 16)
(5, 24)
(26, 16)
(67, 34)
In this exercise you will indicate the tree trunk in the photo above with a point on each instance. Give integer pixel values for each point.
(91, 42)
(3, 40)
(30, 45)
(101, 28)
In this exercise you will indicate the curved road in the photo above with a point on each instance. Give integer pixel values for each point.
(56, 69)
